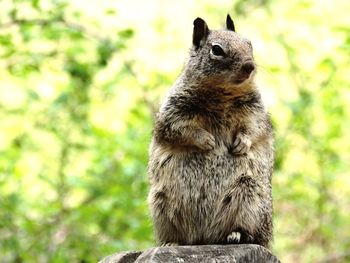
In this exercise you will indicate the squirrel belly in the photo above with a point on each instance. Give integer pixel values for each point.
(187, 192)
(196, 197)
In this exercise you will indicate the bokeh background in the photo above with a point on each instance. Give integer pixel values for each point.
(80, 82)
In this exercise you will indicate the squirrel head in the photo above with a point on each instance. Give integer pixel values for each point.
(221, 56)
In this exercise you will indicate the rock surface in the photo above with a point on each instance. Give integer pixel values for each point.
(196, 254)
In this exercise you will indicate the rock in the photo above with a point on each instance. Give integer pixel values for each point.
(123, 257)
(196, 254)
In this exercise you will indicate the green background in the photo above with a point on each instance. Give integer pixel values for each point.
(80, 82)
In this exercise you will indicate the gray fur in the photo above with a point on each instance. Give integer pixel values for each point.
(211, 156)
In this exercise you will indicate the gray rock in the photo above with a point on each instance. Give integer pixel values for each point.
(123, 257)
(196, 254)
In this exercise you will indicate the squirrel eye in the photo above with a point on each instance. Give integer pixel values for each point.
(217, 50)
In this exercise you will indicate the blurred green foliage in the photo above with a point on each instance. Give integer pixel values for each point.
(80, 82)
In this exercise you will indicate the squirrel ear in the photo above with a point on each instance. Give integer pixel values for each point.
(229, 24)
(200, 31)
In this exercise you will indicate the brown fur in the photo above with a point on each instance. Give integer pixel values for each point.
(211, 157)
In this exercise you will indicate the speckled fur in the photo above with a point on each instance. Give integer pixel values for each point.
(202, 189)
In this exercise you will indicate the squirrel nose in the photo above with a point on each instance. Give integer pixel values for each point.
(248, 67)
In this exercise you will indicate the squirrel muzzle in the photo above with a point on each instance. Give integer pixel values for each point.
(245, 71)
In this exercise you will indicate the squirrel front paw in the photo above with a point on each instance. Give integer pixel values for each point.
(204, 140)
(241, 145)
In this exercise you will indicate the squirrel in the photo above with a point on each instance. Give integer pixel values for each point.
(211, 155)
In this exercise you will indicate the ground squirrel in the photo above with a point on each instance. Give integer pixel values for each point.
(211, 156)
